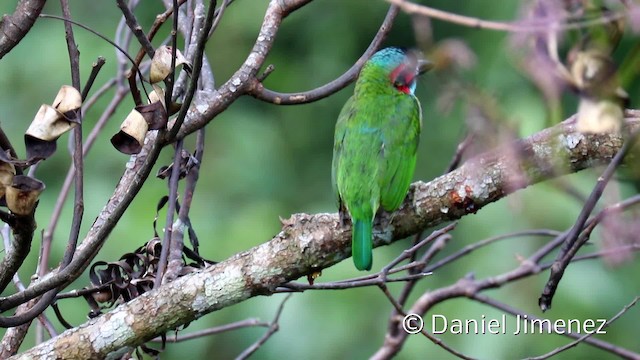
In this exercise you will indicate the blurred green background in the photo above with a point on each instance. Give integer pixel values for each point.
(264, 161)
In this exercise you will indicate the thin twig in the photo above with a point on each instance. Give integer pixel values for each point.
(260, 92)
(415, 9)
(460, 149)
(515, 312)
(95, 69)
(195, 73)
(213, 331)
(274, 326)
(617, 351)
(408, 253)
(171, 210)
(400, 311)
(120, 49)
(135, 28)
(571, 245)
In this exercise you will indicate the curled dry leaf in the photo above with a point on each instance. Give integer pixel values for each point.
(130, 138)
(51, 121)
(132, 275)
(161, 63)
(187, 162)
(22, 194)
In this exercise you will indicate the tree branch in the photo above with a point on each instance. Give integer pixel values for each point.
(14, 27)
(260, 92)
(309, 243)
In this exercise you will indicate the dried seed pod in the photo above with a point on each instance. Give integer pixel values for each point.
(601, 98)
(161, 63)
(157, 95)
(45, 129)
(599, 116)
(7, 172)
(130, 138)
(22, 195)
(49, 124)
(154, 112)
(51, 121)
(68, 102)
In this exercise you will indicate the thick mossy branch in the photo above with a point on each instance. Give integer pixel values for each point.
(308, 243)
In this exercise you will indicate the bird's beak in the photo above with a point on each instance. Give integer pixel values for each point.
(424, 66)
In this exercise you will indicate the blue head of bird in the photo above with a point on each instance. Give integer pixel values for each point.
(402, 66)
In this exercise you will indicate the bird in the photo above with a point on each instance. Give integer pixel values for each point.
(375, 144)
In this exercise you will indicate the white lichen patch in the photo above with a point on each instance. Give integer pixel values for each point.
(304, 240)
(201, 108)
(462, 191)
(542, 151)
(571, 140)
(217, 287)
(111, 329)
(444, 210)
(252, 60)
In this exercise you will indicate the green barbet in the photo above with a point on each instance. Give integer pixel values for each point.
(375, 145)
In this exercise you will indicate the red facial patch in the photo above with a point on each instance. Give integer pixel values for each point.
(396, 72)
(405, 89)
(401, 77)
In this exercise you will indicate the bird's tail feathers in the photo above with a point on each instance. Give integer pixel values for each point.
(361, 244)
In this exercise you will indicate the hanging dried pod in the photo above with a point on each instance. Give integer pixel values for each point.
(158, 93)
(130, 138)
(7, 172)
(68, 102)
(601, 103)
(594, 75)
(154, 112)
(22, 194)
(51, 121)
(161, 63)
(599, 116)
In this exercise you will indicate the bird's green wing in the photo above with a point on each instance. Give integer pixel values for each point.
(398, 158)
(338, 145)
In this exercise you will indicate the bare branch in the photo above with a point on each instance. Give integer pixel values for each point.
(214, 330)
(273, 328)
(415, 9)
(14, 27)
(260, 92)
(571, 242)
